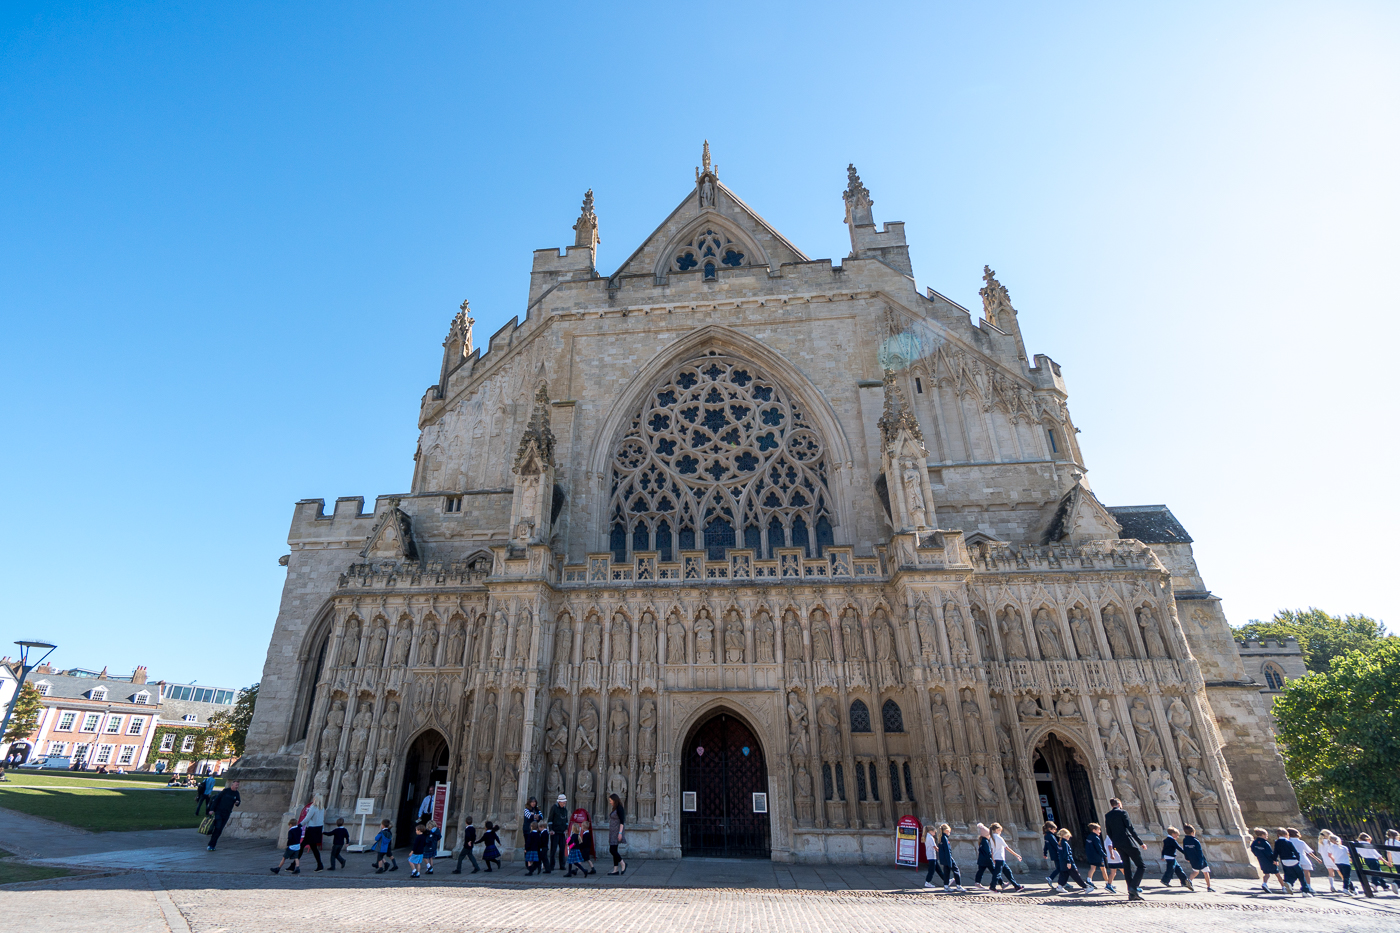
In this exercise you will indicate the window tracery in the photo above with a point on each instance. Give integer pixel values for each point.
(718, 456)
(709, 250)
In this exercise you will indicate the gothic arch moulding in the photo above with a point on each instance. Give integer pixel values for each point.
(812, 439)
(711, 227)
(756, 713)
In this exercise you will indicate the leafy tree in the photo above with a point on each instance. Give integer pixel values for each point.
(26, 714)
(1321, 637)
(231, 728)
(1340, 731)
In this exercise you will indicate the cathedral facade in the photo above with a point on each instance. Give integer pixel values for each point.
(779, 551)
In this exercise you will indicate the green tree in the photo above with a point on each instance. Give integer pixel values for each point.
(1340, 731)
(231, 728)
(26, 714)
(1321, 637)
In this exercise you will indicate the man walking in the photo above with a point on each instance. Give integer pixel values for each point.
(1126, 840)
(558, 821)
(222, 808)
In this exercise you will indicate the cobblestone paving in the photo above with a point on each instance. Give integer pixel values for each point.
(233, 903)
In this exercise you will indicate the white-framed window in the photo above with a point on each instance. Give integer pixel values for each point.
(90, 722)
(187, 745)
(58, 748)
(142, 698)
(99, 693)
(65, 722)
(80, 750)
(43, 687)
(104, 753)
(114, 724)
(138, 723)
(191, 717)
(167, 742)
(128, 753)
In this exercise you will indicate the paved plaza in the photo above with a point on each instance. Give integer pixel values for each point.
(166, 881)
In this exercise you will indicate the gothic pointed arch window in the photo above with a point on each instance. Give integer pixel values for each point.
(719, 456)
(860, 716)
(1273, 677)
(892, 716)
(709, 250)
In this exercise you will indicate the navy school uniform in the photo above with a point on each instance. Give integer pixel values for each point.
(1264, 853)
(947, 865)
(293, 843)
(1170, 850)
(1094, 851)
(1195, 854)
(984, 857)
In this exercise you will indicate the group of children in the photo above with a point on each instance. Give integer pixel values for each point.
(340, 838)
(578, 846)
(1290, 859)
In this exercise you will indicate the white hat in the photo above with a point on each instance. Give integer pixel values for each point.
(560, 799)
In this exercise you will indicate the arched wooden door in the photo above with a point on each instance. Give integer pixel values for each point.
(724, 769)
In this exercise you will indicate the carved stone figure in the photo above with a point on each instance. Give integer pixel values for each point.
(330, 733)
(556, 731)
(563, 643)
(792, 639)
(1114, 743)
(914, 494)
(972, 722)
(555, 785)
(1117, 632)
(487, 736)
(455, 646)
(1046, 634)
(498, 635)
(646, 733)
(646, 639)
(592, 639)
(375, 655)
(1179, 718)
(522, 636)
(1199, 786)
(822, 649)
(829, 725)
(1148, 744)
(1066, 708)
(953, 622)
(704, 638)
(797, 725)
(763, 638)
(1012, 638)
(359, 738)
(942, 728)
(515, 724)
(618, 721)
(583, 785)
(1015, 798)
(852, 640)
(1103, 715)
(675, 641)
(984, 634)
(1083, 635)
(621, 639)
(402, 643)
(952, 788)
(1123, 787)
(886, 655)
(646, 794)
(350, 643)
(1029, 708)
(986, 794)
(481, 789)
(1163, 790)
(427, 646)
(617, 782)
(733, 638)
(1151, 634)
(1004, 747)
(802, 792)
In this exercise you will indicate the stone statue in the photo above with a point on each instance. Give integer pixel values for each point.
(427, 646)
(986, 794)
(1049, 638)
(829, 725)
(555, 785)
(1151, 634)
(1201, 791)
(592, 640)
(707, 193)
(350, 643)
(522, 636)
(586, 735)
(1012, 638)
(375, 656)
(515, 724)
(1179, 717)
(563, 643)
(1066, 708)
(1116, 745)
(481, 789)
(763, 638)
(797, 725)
(1029, 708)
(984, 635)
(1103, 715)
(733, 639)
(583, 785)
(852, 640)
(646, 637)
(885, 653)
(914, 494)
(704, 638)
(1015, 798)
(487, 735)
(952, 788)
(556, 731)
(646, 794)
(1004, 747)
(617, 782)
(822, 649)
(1123, 787)
(675, 641)
(498, 635)
(1163, 791)
(618, 721)
(359, 738)
(510, 786)
(953, 621)
(1148, 745)
(803, 789)
(621, 639)
(646, 735)
(401, 645)
(942, 730)
(330, 734)
(1117, 633)
(792, 638)
(972, 721)
(1083, 635)
(455, 646)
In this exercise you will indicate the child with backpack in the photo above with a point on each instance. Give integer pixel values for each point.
(383, 849)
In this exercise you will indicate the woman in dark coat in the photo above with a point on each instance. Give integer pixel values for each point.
(617, 824)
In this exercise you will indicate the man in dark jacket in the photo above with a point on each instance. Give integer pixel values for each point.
(222, 808)
(558, 821)
(1119, 827)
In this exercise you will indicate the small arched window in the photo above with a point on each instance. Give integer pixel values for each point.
(892, 717)
(860, 717)
(1273, 677)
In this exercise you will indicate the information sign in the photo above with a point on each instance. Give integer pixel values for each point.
(906, 842)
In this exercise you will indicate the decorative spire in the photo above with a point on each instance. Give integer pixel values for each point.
(586, 230)
(995, 298)
(857, 198)
(705, 167)
(538, 436)
(705, 178)
(897, 416)
(461, 329)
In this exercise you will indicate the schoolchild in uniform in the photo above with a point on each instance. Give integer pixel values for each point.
(468, 841)
(1264, 855)
(1095, 855)
(931, 853)
(1295, 839)
(420, 845)
(340, 838)
(575, 846)
(293, 851)
(533, 844)
(1000, 869)
(1371, 856)
(1195, 856)
(1115, 864)
(947, 865)
(1287, 858)
(384, 849)
(1050, 845)
(984, 855)
(430, 850)
(491, 841)
(1171, 847)
(1336, 859)
(1064, 861)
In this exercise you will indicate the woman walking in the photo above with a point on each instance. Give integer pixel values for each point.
(313, 822)
(617, 824)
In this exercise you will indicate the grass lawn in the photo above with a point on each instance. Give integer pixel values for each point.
(11, 871)
(54, 778)
(105, 809)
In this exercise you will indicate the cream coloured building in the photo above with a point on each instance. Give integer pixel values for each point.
(779, 550)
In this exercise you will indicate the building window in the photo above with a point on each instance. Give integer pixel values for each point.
(128, 753)
(167, 742)
(141, 699)
(99, 693)
(191, 717)
(90, 722)
(892, 717)
(137, 724)
(114, 724)
(187, 745)
(58, 748)
(860, 781)
(104, 753)
(860, 717)
(452, 504)
(709, 248)
(65, 722)
(43, 687)
(1054, 447)
(1273, 677)
(874, 782)
(80, 751)
(918, 385)
(894, 782)
(908, 782)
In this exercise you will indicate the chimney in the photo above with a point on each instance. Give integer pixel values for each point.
(103, 675)
(138, 676)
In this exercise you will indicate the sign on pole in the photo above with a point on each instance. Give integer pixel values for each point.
(440, 796)
(906, 842)
(364, 806)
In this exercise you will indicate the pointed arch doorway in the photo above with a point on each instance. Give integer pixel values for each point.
(723, 769)
(427, 762)
(1065, 790)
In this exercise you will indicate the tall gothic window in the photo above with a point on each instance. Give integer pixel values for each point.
(892, 717)
(1273, 677)
(719, 457)
(860, 716)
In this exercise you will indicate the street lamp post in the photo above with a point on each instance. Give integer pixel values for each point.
(24, 668)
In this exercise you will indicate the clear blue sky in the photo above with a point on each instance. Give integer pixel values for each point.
(232, 237)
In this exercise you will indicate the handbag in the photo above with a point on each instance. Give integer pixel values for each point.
(206, 826)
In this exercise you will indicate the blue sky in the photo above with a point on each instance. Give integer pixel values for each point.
(232, 237)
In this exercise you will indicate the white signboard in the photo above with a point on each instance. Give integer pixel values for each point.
(364, 806)
(688, 801)
(760, 803)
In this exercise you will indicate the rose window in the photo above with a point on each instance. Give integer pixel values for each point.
(709, 250)
(718, 457)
